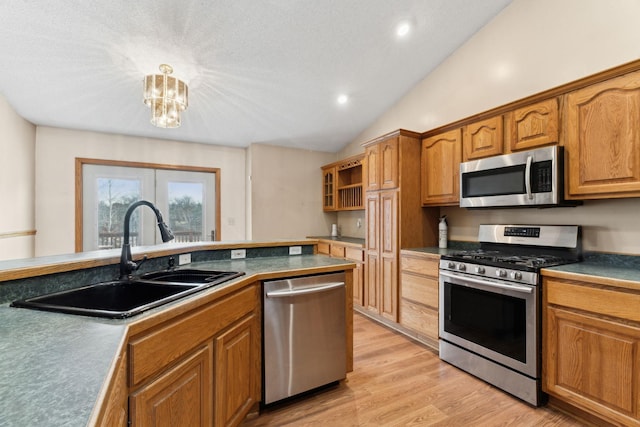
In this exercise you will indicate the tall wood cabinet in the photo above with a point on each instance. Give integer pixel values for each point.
(394, 216)
(602, 138)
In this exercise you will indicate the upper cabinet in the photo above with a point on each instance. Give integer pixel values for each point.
(329, 188)
(382, 165)
(532, 126)
(440, 169)
(602, 139)
(342, 185)
(483, 139)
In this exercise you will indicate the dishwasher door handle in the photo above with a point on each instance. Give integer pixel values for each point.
(305, 291)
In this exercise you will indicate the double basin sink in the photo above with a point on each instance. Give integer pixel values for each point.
(128, 297)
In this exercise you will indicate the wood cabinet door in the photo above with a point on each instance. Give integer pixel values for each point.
(593, 364)
(389, 254)
(440, 169)
(483, 139)
(329, 189)
(389, 163)
(372, 168)
(532, 126)
(181, 396)
(237, 371)
(602, 139)
(372, 256)
(358, 282)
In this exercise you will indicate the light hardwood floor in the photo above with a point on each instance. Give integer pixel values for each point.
(398, 382)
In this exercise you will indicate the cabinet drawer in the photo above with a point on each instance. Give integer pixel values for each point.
(582, 296)
(419, 318)
(324, 248)
(421, 289)
(426, 266)
(354, 254)
(153, 351)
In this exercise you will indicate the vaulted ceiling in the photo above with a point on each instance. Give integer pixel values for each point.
(259, 71)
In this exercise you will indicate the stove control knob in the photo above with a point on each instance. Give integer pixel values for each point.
(501, 273)
(462, 267)
(451, 265)
(479, 270)
(516, 275)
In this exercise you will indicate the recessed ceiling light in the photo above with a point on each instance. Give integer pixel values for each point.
(342, 99)
(403, 29)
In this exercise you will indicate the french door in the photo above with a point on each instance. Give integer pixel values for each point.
(187, 200)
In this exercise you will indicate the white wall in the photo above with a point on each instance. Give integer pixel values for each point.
(286, 192)
(17, 217)
(57, 149)
(531, 46)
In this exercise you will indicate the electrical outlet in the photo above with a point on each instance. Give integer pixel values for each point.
(238, 253)
(184, 259)
(358, 223)
(295, 250)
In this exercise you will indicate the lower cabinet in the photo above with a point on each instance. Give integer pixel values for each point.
(591, 349)
(198, 369)
(353, 253)
(180, 396)
(419, 294)
(237, 368)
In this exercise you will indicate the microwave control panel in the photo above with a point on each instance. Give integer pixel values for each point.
(542, 177)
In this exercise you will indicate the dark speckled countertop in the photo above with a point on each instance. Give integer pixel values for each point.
(53, 366)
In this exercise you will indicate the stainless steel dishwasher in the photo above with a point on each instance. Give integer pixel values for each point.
(304, 334)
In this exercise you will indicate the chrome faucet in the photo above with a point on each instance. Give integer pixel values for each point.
(127, 265)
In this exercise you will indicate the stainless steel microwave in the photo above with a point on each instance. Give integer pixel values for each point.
(528, 178)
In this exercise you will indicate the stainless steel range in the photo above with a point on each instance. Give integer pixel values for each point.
(490, 310)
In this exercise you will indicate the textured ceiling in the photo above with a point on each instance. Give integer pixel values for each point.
(259, 71)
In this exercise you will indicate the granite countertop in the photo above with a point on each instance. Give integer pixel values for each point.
(620, 270)
(54, 366)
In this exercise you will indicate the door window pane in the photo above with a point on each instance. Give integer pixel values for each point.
(114, 197)
(185, 210)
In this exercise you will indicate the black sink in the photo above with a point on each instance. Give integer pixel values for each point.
(191, 276)
(126, 298)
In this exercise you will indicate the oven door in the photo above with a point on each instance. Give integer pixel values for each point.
(492, 318)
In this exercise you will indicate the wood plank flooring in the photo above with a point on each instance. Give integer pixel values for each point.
(399, 382)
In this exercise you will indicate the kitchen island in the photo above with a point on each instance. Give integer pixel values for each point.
(60, 369)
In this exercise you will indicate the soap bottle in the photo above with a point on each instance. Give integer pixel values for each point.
(442, 232)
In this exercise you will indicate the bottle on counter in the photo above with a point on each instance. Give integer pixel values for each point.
(442, 232)
(334, 230)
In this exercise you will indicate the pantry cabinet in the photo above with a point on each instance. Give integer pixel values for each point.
(591, 348)
(440, 169)
(602, 139)
(394, 217)
(482, 139)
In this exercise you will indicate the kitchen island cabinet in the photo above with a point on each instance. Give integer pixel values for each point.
(591, 346)
(76, 370)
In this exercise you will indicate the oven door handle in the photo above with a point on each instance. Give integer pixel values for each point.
(527, 177)
(517, 288)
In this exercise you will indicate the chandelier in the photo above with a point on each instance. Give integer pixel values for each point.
(167, 96)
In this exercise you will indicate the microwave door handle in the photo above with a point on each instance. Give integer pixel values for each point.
(527, 177)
